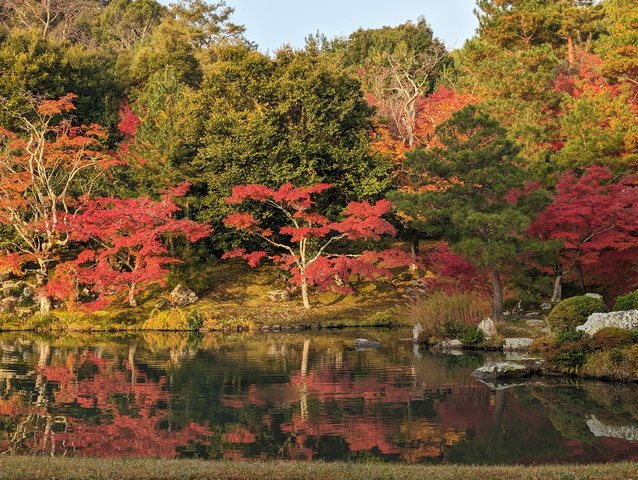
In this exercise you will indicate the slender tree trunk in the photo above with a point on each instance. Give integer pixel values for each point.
(304, 293)
(131, 296)
(581, 276)
(571, 54)
(557, 295)
(414, 248)
(41, 278)
(497, 299)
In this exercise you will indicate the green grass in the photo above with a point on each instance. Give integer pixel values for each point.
(98, 469)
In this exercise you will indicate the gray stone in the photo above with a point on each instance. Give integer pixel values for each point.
(597, 296)
(8, 304)
(546, 306)
(601, 429)
(532, 314)
(162, 304)
(182, 296)
(449, 345)
(278, 295)
(517, 344)
(365, 344)
(597, 321)
(416, 333)
(504, 370)
(488, 327)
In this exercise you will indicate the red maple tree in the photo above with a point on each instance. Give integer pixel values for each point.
(595, 217)
(126, 247)
(46, 173)
(303, 244)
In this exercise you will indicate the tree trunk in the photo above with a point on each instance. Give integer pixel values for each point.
(581, 276)
(571, 55)
(304, 293)
(557, 295)
(41, 278)
(497, 299)
(414, 248)
(131, 297)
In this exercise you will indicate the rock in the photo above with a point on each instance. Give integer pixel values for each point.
(535, 322)
(532, 314)
(597, 321)
(163, 304)
(488, 327)
(416, 332)
(365, 344)
(597, 296)
(502, 370)
(182, 296)
(601, 429)
(278, 295)
(8, 304)
(517, 344)
(546, 306)
(449, 345)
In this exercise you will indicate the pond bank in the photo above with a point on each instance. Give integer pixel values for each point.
(18, 468)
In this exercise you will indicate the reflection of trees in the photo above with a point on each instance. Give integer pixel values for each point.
(297, 396)
(91, 403)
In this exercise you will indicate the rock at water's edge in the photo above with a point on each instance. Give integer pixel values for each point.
(517, 344)
(488, 327)
(504, 370)
(364, 344)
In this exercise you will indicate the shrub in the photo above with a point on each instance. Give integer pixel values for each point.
(611, 337)
(433, 311)
(571, 312)
(173, 319)
(615, 364)
(471, 336)
(628, 301)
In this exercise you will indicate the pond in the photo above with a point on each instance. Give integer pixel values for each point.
(305, 396)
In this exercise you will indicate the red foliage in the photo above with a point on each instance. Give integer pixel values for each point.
(453, 273)
(305, 239)
(129, 121)
(596, 218)
(127, 250)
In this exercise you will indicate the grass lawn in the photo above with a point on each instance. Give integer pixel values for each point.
(85, 468)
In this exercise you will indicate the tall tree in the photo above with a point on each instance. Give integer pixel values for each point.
(46, 172)
(463, 195)
(294, 118)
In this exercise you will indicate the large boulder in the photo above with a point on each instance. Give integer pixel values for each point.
(417, 331)
(506, 370)
(182, 296)
(597, 321)
(488, 327)
(517, 344)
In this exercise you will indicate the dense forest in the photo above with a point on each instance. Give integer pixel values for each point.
(136, 136)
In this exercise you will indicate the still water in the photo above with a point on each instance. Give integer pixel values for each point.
(294, 396)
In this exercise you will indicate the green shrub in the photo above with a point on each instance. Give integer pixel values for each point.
(571, 312)
(195, 320)
(42, 321)
(471, 336)
(615, 364)
(628, 301)
(612, 337)
(173, 319)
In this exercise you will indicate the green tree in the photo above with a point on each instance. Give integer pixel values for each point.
(294, 118)
(618, 46)
(463, 192)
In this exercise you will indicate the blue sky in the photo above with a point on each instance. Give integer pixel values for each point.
(272, 23)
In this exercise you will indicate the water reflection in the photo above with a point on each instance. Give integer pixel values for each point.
(294, 396)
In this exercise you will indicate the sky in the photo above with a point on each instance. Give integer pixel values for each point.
(272, 23)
